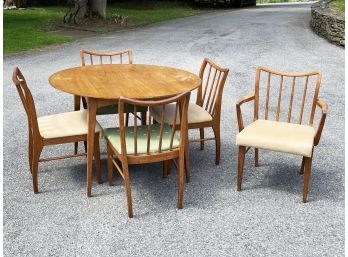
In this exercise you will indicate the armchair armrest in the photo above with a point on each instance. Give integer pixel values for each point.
(323, 106)
(239, 112)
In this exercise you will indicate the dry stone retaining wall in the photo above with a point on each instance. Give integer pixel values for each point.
(328, 24)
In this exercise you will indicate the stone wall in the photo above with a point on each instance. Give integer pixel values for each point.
(328, 24)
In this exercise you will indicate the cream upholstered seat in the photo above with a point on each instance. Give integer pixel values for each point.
(113, 135)
(195, 114)
(63, 128)
(280, 128)
(206, 111)
(278, 136)
(65, 124)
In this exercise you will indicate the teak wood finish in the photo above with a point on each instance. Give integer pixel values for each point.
(165, 155)
(102, 85)
(315, 102)
(90, 57)
(37, 142)
(209, 97)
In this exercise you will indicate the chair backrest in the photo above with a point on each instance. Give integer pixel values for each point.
(179, 116)
(27, 100)
(284, 91)
(209, 94)
(123, 56)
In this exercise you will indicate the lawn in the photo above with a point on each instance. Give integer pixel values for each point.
(29, 28)
(26, 29)
(337, 5)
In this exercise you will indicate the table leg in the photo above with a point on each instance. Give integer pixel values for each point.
(91, 120)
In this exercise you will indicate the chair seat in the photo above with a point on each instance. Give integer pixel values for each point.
(113, 109)
(195, 114)
(65, 124)
(278, 136)
(113, 135)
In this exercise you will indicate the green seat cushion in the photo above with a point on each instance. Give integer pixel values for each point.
(113, 109)
(113, 135)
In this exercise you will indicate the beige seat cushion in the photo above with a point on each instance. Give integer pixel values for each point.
(65, 124)
(196, 114)
(113, 135)
(278, 136)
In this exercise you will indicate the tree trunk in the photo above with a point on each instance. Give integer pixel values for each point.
(17, 3)
(98, 7)
(81, 7)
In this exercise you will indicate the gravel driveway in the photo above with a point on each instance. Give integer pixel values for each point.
(266, 219)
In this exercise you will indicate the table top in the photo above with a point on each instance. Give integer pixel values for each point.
(110, 81)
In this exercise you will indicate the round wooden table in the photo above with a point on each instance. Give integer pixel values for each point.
(102, 85)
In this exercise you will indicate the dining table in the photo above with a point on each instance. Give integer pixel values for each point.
(102, 85)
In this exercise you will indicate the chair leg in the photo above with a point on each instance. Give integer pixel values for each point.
(85, 145)
(127, 119)
(143, 118)
(180, 182)
(110, 166)
(30, 152)
(187, 165)
(76, 145)
(256, 157)
(216, 130)
(240, 166)
(35, 165)
(97, 158)
(128, 190)
(302, 165)
(306, 177)
(201, 136)
(77, 102)
(166, 168)
(84, 103)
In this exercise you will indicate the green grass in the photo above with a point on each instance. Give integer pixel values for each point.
(28, 28)
(279, 1)
(337, 5)
(25, 29)
(146, 16)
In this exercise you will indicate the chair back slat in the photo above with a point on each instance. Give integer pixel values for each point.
(287, 88)
(101, 55)
(173, 126)
(291, 98)
(27, 101)
(180, 102)
(210, 92)
(135, 131)
(161, 129)
(303, 100)
(279, 97)
(149, 131)
(213, 99)
(207, 82)
(267, 96)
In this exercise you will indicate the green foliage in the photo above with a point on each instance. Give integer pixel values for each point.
(337, 5)
(29, 28)
(25, 29)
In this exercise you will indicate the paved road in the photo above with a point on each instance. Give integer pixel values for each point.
(265, 219)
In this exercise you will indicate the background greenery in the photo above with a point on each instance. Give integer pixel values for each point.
(30, 28)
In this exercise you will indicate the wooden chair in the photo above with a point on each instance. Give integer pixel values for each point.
(89, 57)
(149, 143)
(53, 129)
(110, 58)
(290, 135)
(206, 112)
